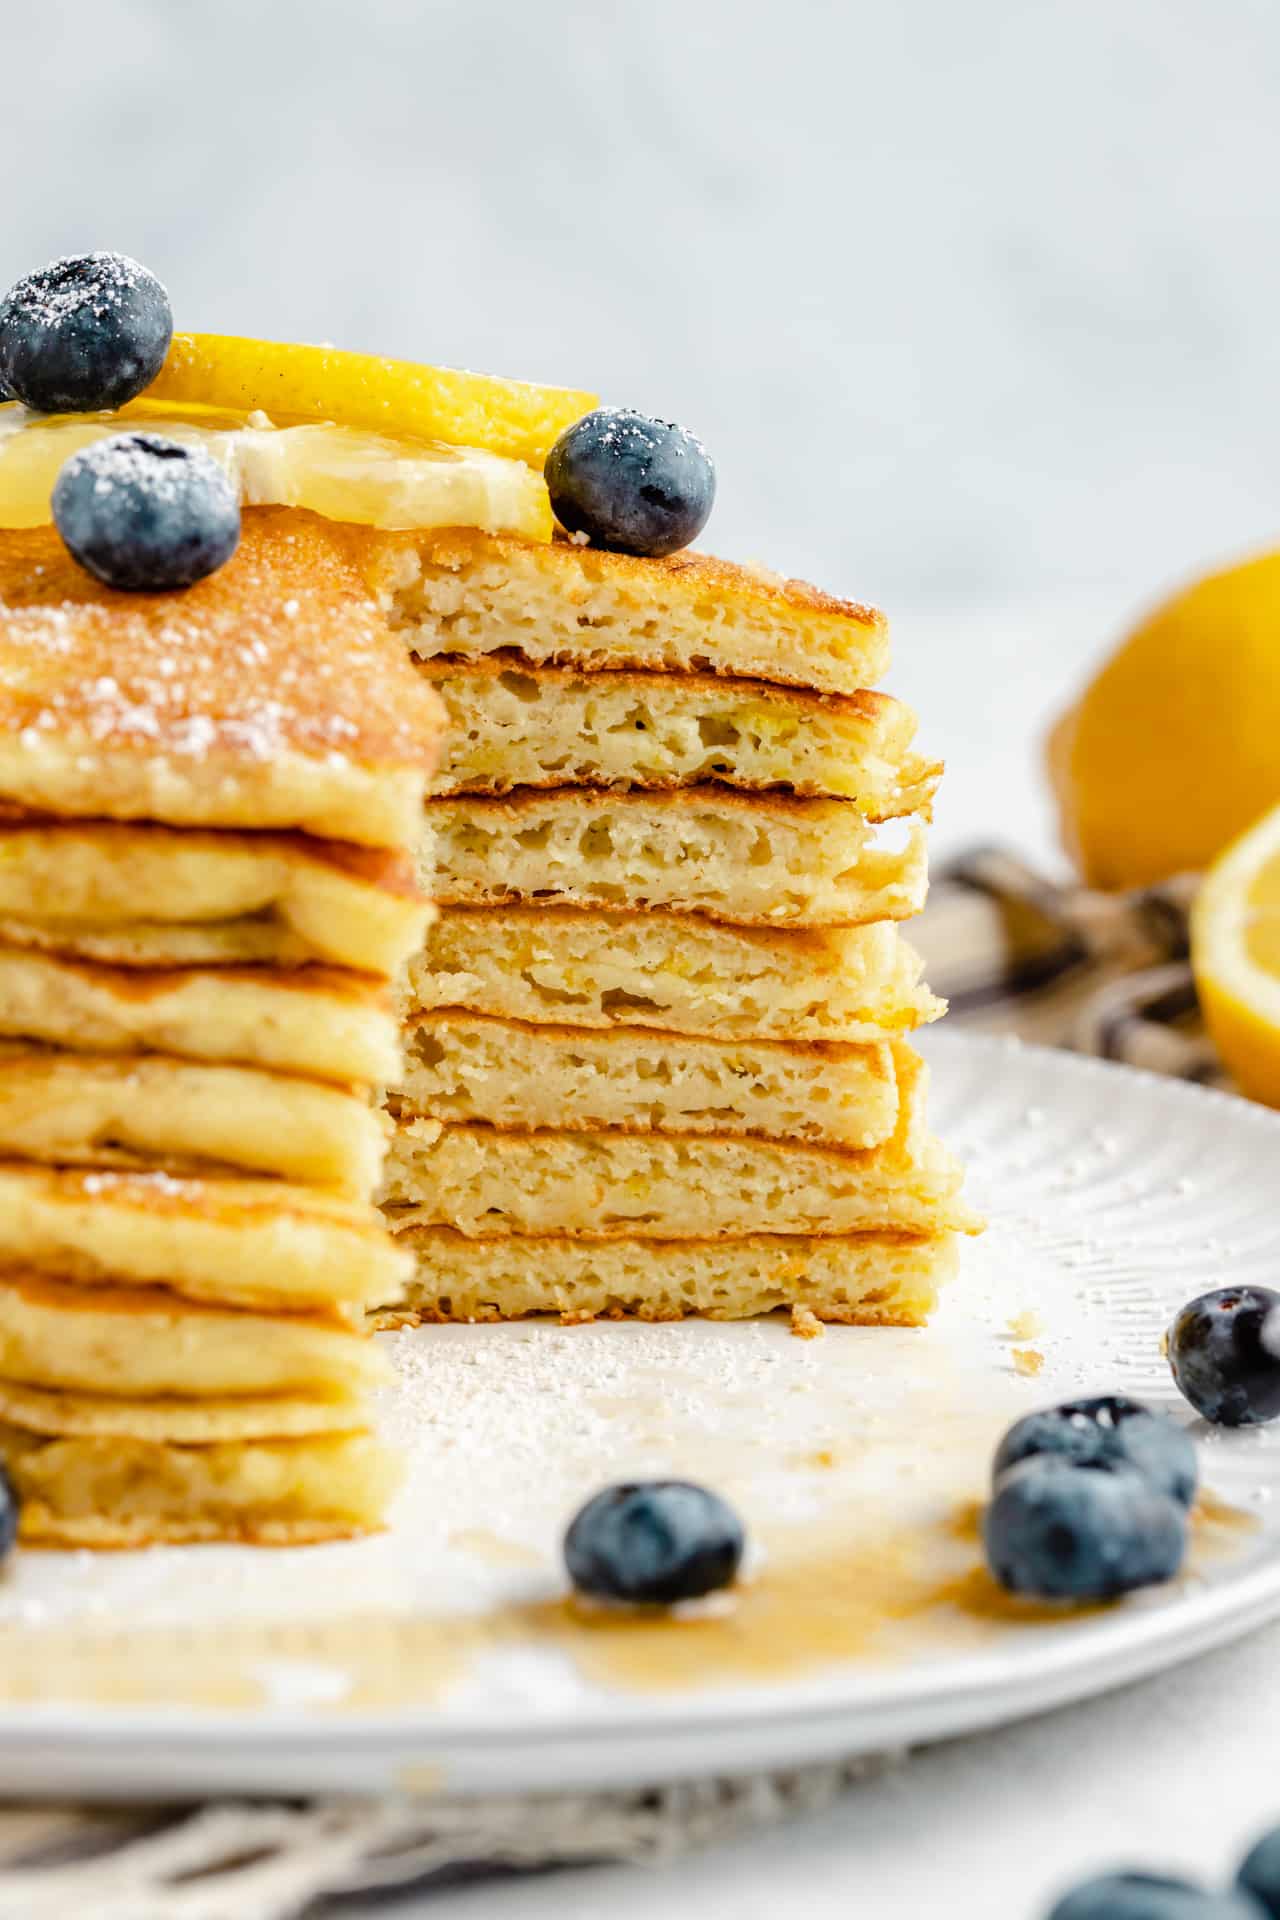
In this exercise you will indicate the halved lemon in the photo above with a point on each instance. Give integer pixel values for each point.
(512, 418)
(342, 472)
(1235, 954)
(1170, 751)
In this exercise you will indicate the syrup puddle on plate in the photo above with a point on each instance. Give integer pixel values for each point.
(833, 1592)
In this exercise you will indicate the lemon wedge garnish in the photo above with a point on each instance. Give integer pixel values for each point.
(511, 418)
(1235, 954)
(342, 472)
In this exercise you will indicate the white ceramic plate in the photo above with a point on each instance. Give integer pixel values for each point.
(855, 1458)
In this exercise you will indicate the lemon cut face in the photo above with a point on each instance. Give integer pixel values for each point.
(1235, 954)
(343, 472)
(513, 419)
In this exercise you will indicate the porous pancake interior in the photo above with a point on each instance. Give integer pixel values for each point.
(862, 1279)
(663, 988)
(675, 972)
(464, 594)
(765, 859)
(510, 1074)
(665, 1186)
(513, 725)
(483, 1181)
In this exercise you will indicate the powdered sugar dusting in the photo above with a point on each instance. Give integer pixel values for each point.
(152, 1181)
(282, 651)
(52, 294)
(145, 464)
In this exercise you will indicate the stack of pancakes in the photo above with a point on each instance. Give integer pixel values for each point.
(210, 806)
(656, 1061)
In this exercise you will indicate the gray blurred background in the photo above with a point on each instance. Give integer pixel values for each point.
(975, 301)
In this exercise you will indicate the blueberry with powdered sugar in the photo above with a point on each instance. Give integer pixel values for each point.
(146, 515)
(83, 334)
(629, 483)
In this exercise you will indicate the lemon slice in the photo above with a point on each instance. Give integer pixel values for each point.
(1235, 953)
(341, 472)
(511, 418)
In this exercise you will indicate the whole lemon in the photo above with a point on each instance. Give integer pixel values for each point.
(1174, 748)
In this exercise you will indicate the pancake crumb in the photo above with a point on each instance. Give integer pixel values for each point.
(805, 1324)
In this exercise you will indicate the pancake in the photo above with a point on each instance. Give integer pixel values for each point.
(751, 860)
(252, 1243)
(268, 695)
(665, 1186)
(675, 972)
(51, 1410)
(513, 725)
(315, 1020)
(660, 1186)
(139, 1493)
(256, 940)
(93, 1110)
(352, 906)
(467, 594)
(870, 1279)
(139, 1343)
(467, 1067)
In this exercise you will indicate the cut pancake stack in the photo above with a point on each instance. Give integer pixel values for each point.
(210, 805)
(655, 1044)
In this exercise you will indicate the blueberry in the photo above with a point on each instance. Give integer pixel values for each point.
(654, 1541)
(631, 484)
(1108, 1431)
(1260, 1874)
(83, 333)
(1222, 1358)
(1149, 1896)
(9, 1507)
(1073, 1532)
(144, 514)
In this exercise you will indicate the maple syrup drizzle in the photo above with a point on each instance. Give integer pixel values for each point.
(824, 1596)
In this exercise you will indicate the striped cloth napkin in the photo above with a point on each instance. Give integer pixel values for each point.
(1053, 962)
